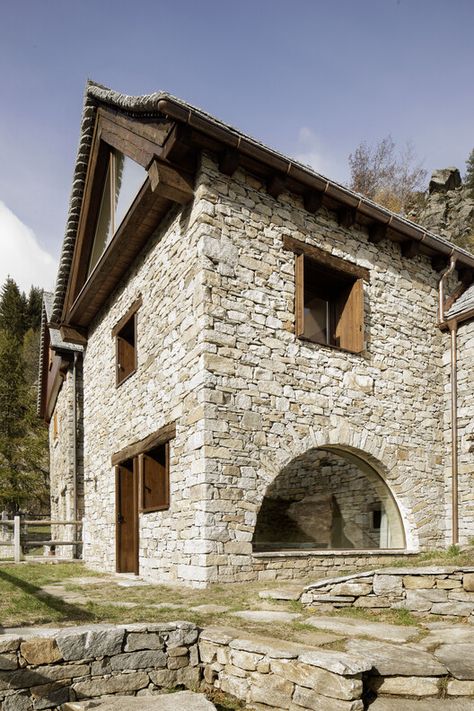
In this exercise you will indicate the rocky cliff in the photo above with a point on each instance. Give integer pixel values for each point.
(447, 208)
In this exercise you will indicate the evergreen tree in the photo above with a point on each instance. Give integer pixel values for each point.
(469, 177)
(23, 437)
(13, 306)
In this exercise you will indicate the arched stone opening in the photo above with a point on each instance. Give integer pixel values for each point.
(328, 498)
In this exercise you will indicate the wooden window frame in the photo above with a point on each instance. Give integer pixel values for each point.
(349, 325)
(129, 316)
(136, 451)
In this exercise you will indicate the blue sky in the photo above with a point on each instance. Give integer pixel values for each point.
(312, 78)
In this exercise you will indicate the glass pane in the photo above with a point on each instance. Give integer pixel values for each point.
(129, 177)
(316, 312)
(103, 232)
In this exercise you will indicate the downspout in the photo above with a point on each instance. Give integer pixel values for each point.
(74, 451)
(453, 329)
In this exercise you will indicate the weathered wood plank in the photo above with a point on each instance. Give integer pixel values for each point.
(164, 434)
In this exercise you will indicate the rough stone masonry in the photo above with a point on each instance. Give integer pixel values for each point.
(218, 354)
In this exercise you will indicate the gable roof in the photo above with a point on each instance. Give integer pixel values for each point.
(162, 104)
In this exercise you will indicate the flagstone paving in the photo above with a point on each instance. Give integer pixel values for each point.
(349, 626)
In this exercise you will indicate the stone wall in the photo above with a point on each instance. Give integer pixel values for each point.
(437, 591)
(217, 353)
(166, 387)
(466, 431)
(272, 397)
(66, 454)
(47, 668)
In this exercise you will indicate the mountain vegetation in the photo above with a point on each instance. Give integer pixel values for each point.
(395, 179)
(23, 437)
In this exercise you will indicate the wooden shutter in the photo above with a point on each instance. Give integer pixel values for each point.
(349, 327)
(299, 294)
(125, 358)
(154, 479)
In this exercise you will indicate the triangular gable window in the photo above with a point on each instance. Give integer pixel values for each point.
(123, 180)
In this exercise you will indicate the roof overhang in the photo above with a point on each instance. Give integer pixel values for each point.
(189, 131)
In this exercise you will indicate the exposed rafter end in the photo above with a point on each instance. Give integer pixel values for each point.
(410, 248)
(346, 216)
(377, 232)
(313, 200)
(466, 276)
(276, 185)
(73, 334)
(229, 161)
(439, 262)
(169, 183)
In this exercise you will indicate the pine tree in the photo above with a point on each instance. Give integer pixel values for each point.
(469, 177)
(23, 437)
(13, 306)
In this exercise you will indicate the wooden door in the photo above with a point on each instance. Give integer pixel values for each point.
(126, 518)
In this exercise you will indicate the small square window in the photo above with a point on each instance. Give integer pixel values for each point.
(154, 479)
(329, 305)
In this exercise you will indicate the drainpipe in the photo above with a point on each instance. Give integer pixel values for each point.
(453, 329)
(74, 450)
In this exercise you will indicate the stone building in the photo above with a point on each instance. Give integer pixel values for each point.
(266, 364)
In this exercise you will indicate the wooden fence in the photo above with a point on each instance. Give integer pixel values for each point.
(22, 541)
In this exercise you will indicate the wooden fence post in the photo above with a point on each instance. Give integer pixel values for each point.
(17, 538)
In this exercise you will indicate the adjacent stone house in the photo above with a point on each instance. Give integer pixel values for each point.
(265, 357)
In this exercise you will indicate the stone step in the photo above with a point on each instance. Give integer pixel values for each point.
(386, 704)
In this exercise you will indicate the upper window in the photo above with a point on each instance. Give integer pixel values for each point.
(329, 298)
(123, 180)
(125, 333)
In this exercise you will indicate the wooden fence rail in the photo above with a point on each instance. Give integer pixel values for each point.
(21, 541)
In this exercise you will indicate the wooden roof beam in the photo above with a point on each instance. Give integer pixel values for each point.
(313, 200)
(229, 161)
(466, 276)
(276, 185)
(410, 248)
(377, 232)
(439, 262)
(169, 183)
(346, 216)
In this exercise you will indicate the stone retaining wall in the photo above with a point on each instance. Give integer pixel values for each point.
(271, 674)
(298, 565)
(437, 590)
(47, 668)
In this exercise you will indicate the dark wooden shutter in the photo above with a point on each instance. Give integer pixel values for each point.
(349, 327)
(299, 294)
(155, 479)
(126, 362)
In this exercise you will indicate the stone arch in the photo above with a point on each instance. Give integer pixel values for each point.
(373, 456)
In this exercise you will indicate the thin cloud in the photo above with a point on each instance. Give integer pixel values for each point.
(313, 153)
(22, 258)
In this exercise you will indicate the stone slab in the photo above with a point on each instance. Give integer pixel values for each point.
(337, 662)
(458, 658)
(185, 700)
(393, 704)
(210, 609)
(349, 626)
(390, 660)
(281, 594)
(340, 579)
(267, 616)
(404, 686)
(455, 634)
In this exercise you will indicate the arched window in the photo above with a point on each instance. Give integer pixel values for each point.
(328, 499)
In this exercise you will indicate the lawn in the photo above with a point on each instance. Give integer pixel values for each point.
(32, 594)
